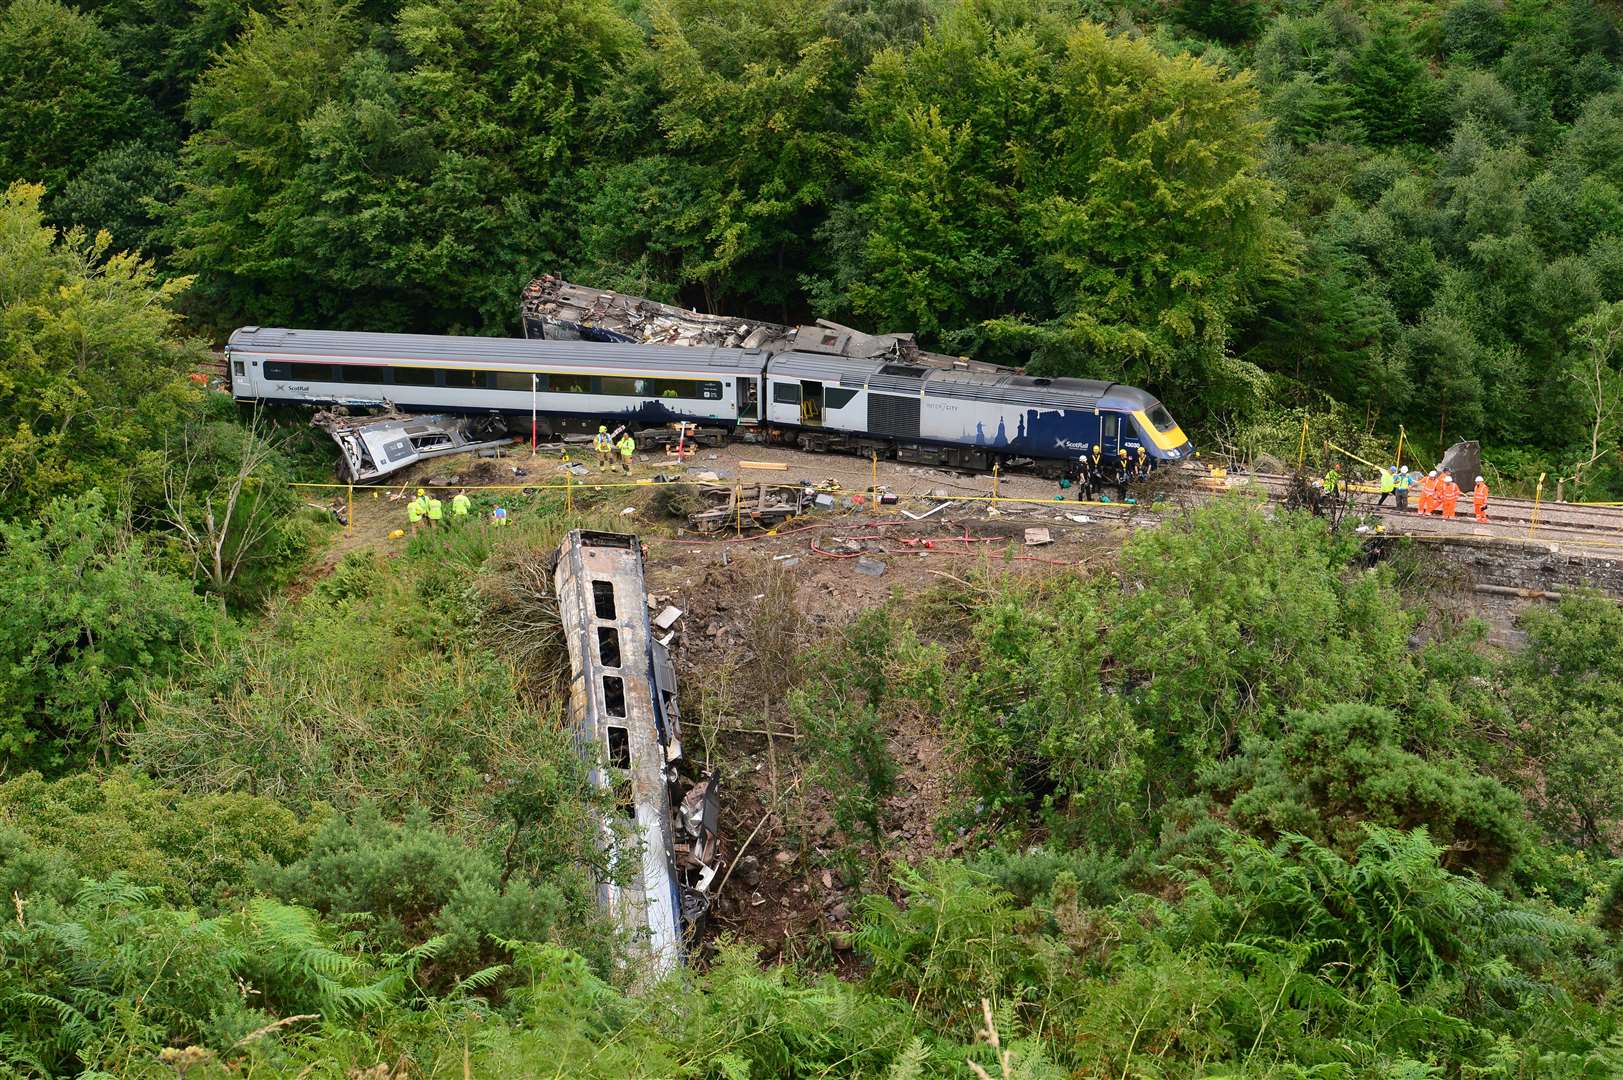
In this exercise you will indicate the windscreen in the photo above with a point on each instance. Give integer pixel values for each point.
(1160, 417)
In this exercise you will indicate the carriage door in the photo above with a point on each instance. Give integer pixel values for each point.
(1109, 435)
(811, 403)
(749, 400)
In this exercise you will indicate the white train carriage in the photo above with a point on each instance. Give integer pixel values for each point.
(959, 416)
(573, 385)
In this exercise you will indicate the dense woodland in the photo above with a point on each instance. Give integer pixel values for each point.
(1375, 213)
(1245, 804)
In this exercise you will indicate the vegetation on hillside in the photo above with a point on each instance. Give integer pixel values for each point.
(1234, 808)
(1368, 212)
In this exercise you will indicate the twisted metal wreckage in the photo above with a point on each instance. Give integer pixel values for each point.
(660, 843)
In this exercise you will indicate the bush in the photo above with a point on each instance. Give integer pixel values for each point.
(1338, 770)
(410, 883)
(73, 666)
(1565, 693)
(192, 850)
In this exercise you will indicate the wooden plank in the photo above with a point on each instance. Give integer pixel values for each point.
(778, 466)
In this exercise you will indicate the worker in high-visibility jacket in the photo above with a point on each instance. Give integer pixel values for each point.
(604, 445)
(1479, 500)
(1448, 495)
(628, 447)
(416, 510)
(436, 512)
(1389, 484)
(1428, 494)
(460, 504)
(1401, 484)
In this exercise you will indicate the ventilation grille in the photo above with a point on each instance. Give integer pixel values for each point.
(892, 415)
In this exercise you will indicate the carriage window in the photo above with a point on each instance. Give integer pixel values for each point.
(836, 397)
(569, 384)
(312, 372)
(276, 369)
(238, 368)
(414, 376)
(1161, 418)
(622, 386)
(1112, 426)
(785, 393)
(466, 380)
(362, 373)
(513, 380)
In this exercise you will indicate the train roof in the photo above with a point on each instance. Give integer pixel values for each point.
(491, 352)
(1004, 387)
(882, 374)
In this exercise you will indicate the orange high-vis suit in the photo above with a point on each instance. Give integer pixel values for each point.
(1428, 494)
(1449, 494)
(1479, 500)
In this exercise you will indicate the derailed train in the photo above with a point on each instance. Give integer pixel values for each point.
(815, 393)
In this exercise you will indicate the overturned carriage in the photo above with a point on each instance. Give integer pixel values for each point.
(660, 841)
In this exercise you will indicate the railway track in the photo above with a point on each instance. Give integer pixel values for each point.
(1506, 516)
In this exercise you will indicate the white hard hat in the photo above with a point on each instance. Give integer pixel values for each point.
(1480, 480)
(1432, 473)
(1404, 469)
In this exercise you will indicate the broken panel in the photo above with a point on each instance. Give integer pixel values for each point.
(558, 310)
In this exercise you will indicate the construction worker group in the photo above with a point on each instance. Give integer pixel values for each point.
(1438, 493)
(1093, 470)
(606, 446)
(428, 510)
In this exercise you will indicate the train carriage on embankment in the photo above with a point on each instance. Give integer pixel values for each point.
(965, 417)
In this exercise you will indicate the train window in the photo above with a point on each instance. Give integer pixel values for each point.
(238, 368)
(466, 380)
(608, 646)
(569, 384)
(362, 373)
(836, 397)
(785, 393)
(1112, 426)
(624, 386)
(614, 695)
(671, 388)
(1161, 418)
(512, 380)
(414, 376)
(276, 369)
(619, 746)
(603, 600)
(311, 372)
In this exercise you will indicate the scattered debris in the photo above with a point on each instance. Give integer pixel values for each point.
(1038, 537)
(870, 567)
(667, 618)
(936, 509)
(769, 466)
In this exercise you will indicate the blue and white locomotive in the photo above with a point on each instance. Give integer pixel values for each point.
(959, 415)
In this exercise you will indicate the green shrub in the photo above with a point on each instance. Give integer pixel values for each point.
(87, 624)
(408, 883)
(1565, 694)
(194, 850)
(1337, 770)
